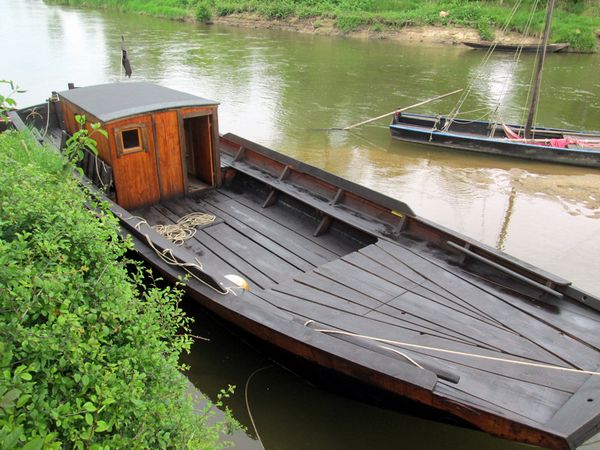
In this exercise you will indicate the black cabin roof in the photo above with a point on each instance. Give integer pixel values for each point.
(118, 100)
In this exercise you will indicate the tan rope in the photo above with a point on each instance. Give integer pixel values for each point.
(167, 256)
(454, 352)
(185, 228)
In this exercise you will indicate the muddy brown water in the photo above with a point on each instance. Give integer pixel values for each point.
(278, 88)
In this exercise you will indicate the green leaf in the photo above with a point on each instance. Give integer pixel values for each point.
(35, 444)
(9, 398)
(22, 400)
(89, 419)
(101, 426)
(89, 406)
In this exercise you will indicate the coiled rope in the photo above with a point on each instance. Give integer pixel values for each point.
(185, 228)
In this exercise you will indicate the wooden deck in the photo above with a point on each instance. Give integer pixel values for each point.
(402, 292)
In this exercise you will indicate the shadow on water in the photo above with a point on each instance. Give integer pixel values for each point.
(291, 413)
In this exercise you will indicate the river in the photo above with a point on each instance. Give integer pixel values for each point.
(279, 88)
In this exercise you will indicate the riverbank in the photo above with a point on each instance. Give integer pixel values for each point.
(427, 34)
(443, 21)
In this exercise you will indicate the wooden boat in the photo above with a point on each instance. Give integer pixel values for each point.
(543, 144)
(338, 276)
(504, 47)
(550, 144)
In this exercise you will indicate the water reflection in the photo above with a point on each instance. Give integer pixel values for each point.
(277, 88)
(291, 414)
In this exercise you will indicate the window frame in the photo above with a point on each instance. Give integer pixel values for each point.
(142, 135)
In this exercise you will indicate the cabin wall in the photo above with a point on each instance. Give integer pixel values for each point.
(157, 169)
(69, 111)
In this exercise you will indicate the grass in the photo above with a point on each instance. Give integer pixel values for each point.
(576, 21)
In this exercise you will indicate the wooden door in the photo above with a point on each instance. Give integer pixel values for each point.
(134, 162)
(199, 152)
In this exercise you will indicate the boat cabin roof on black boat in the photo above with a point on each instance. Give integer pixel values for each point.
(161, 144)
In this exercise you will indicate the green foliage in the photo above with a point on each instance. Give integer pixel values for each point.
(7, 102)
(484, 16)
(203, 13)
(89, 343)
(486, 32)
(80, 141)
(349, 23)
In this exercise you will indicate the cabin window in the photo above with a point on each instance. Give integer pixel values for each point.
(131, 139)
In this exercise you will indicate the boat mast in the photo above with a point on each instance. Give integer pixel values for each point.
(538, 74)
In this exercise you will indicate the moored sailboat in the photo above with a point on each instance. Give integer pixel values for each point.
(580, 148)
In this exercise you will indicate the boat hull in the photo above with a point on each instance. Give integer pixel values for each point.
(472, 136)
(347, 280)
(528, 48)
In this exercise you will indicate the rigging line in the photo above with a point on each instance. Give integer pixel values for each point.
(402, 354)
(458, 353)
(47, 119)
(248, 403)
(524, 109)
(452, 115)
(167, 256)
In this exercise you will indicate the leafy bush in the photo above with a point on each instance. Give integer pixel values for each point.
(485, 30)
(88, 353)
(349, 23)
(203, 13)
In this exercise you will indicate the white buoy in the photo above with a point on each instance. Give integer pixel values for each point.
(238, 281)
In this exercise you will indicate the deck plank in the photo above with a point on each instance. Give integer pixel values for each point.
(283, 244)
(271, 265)
(297, 222)
(535, 331)
(513, 394)
(425, 307)
(391, 268)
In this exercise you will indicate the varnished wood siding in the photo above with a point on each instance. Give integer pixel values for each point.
(169, 154)
(69, 111)
(135, 174)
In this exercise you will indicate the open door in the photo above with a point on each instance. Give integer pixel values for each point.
(198, 152)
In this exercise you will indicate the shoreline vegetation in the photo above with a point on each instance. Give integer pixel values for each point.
(89, 340)
(435, 21)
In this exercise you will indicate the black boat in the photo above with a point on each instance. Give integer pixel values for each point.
(504, 47)
(572, 147)
(550, 144)
(337, 276)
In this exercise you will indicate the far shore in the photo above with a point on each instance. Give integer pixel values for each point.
(443, 35)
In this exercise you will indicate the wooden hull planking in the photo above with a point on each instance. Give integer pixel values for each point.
(354, 282)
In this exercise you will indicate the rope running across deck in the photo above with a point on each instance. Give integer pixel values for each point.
(451, 352)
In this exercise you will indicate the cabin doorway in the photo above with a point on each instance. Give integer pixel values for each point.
(198, 152)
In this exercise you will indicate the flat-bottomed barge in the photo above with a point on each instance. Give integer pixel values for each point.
(341, 276)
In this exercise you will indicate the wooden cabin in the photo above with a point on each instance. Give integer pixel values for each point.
(161, 143)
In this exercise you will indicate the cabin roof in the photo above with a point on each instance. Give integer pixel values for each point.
(118, 100)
